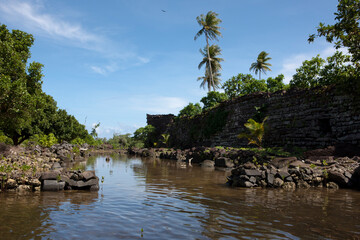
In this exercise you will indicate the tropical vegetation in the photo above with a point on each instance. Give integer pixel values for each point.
(261, 64)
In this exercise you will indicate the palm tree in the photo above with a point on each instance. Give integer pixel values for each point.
(210, 29)
(261, 64)
(213, 52)
(211, 84)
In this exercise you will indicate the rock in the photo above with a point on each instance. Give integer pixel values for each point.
(87, 175)
(224, 162)
(289, 186)
(269, 178)
(298, 164)
(282, 174)
(208, 163)
(23, 188)
(332, 185)
(278, 182)
(37, 189)
(252, 179)
(263, 184)
(246, 184)
(50, 175)
(52, 185)
(303, 184)
(282, 162)
(82, 184)
(94, 187)
(56, 166)
(11, 183)
(251, 172)
(338, 178)
(35, 182)
(249, 165)
(289, 179)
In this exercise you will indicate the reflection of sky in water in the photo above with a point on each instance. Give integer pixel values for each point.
(173, 201)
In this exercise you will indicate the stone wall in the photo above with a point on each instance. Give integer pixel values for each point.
(161, 122)
(303, 118)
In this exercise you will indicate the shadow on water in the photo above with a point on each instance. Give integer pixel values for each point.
(163, 199)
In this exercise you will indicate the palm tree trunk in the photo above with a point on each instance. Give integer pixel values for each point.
(210, 71)
(259, 75)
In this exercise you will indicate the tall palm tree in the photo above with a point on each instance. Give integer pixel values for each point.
(211, 61)
(215, 83)
(261, 64)
(210, 29)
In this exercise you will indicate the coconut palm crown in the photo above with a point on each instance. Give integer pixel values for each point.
(261, 64)
(213, 51)
(215, 83)
(211, 30)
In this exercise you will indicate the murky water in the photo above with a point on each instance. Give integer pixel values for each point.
(158, 199)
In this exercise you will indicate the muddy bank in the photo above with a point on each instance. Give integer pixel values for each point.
(44, 169)
(332, 167)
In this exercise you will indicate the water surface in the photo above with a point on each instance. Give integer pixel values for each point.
(161, 199)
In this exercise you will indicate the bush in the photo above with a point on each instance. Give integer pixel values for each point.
(212, 99)
(190, 110)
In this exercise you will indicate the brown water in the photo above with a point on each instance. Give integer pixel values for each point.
(158, 199)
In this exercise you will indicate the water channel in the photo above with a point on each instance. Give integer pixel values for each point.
(161, 199)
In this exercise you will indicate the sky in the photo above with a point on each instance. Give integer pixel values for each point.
(115, 61)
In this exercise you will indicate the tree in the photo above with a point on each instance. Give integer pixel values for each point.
(211, 30)
(146, 135)
(346, 31)
(243, 84)
(190, 110)
(261, 64)
(212, 99)
(276, 84)
(308, 75)
(210, 56)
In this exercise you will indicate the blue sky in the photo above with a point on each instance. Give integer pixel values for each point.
(114, 61)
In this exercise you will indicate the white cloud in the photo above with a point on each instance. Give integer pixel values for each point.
(109, 131)
(29, 16)
(158, 104)
(292, 63)
(104, 70)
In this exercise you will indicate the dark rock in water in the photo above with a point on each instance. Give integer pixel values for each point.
(303, 184)
(282, 174)
(278, 182)
(208, 163)
(338, 178)
(252, 180)
(107, 159)
(52, 185)
(51, 175)
(332, 185)
(289, 186)
(224, 162)
(282, 162)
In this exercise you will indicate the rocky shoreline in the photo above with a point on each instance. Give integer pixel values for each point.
(332, 167)
(44, 169)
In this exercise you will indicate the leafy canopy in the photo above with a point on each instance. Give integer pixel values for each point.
(190, 110)
(212, 99)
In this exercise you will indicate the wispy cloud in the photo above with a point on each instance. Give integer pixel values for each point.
(109, 131)
(33, 17)
(30, 16)
(292, 63)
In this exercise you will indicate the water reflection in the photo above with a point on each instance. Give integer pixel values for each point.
(171, 200)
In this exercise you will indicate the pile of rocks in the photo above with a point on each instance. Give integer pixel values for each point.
(290, 173)
(55, 181)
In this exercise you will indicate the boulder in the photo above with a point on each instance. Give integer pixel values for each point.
(52, 185)
(332, 185)
(289, 186)
(50, 175)
(208, 163)
(11, 183)
(282, 162)
(251, 172)
(87, 175)
(23, 188)
(338, 178)
(224, 162)
(278, 182)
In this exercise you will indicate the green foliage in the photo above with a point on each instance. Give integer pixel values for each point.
(256, 131)
(261, 64)
(212, 99)
(93, 130)
(124, 141)
(5, 139)
(345, 32)
(25, 110)
(43, 140)
(276, 84)
(146, 135)
(77, 141)
(336, 70)
(243, 84)
(165, 139)
(308, 75)
(190, 110)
